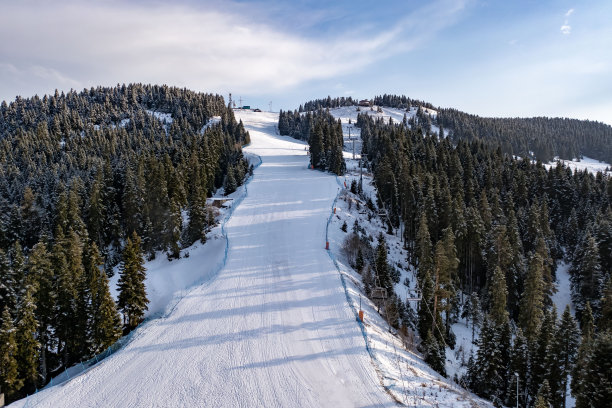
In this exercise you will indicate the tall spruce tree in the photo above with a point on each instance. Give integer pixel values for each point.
(605, 319)
(561, 357)
(8, 284)
(532, 301)
(105, 323)
(423, 247)
(595, 388)
(586, 276)
(445, 271)
(519, 364)
(9, 371)
(132, 299)
(27, 344)
(40, 269)
(579, 384)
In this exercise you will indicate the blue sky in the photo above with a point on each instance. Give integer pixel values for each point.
(492, 58)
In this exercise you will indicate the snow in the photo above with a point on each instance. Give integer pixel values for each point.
(563, 296)
(163, 117)
(586, 163)
(350, 112)
(167, 281)
(211, 122)
(272, 328)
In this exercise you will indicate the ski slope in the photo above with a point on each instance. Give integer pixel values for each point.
(272, 329)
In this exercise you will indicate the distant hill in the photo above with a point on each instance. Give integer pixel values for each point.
(540, 138)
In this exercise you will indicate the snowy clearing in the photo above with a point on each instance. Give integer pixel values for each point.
(586, 163)
(211, 122)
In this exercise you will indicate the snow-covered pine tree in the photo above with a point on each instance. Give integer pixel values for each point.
(9, 372)
(40, 270)
(532, 301)
(561, 357)
(132, 299)
(105, 322)
(586, 276)
(595, 388)
(27, 344)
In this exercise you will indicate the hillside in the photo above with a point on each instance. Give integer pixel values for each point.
(538, 138)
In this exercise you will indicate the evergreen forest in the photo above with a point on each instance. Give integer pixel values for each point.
(94, 183)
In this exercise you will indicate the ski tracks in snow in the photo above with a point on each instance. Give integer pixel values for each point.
(271, 329)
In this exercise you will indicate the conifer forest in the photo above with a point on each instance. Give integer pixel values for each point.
(92, 184)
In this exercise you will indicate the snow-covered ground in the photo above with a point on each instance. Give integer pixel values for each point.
(563, 296)
(272, 328)
(586, 163)
(163, 117)
(211, 122)
(166, 279)
(350, 112)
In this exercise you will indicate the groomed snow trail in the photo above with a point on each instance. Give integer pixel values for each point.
(273, 329)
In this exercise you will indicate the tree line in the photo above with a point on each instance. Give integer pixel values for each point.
(539, 138)
(324, 136)
(90, 181)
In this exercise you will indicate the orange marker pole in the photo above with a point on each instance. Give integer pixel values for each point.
(327, 245)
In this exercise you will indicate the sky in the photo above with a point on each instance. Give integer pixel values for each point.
(490, 58)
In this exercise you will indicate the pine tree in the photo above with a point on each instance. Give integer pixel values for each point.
(541, 349)
(605, 320)
(519, 364)
(382, 267)
(197, 217)
(543, 396)
(8, 284)
(230, 180)
(173, 231)
(530, 314)
(423, 247)
(316, 148)
(41, 270)
(445, 270)
(27, 344)
(434, 353)
(9, 374)
(561, 357)
(105, 323)
(490, 372)
(586, 276)
(596, 378)
(498, 294)
(18, 270)
(425, 313)
(132, 293)
(579, 383)
(359, 263)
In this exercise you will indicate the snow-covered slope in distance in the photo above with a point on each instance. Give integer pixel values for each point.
(273, 328)
(586, 163)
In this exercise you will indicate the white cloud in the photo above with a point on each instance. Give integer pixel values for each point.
(71, 44)
(566, 28)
